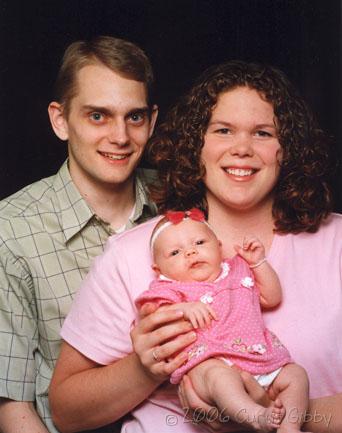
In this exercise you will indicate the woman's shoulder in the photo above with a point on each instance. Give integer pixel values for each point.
(138, 234)
(331, 226)
(329, 232)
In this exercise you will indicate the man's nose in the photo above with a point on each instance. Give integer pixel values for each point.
(117, 133)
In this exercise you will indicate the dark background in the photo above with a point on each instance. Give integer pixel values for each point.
(181, 37)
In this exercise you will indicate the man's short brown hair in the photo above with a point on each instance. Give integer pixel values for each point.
(123, 57)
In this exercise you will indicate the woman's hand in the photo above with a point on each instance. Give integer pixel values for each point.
(158, 338)
(198, 411)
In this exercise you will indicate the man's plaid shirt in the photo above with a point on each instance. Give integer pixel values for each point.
(48, 238)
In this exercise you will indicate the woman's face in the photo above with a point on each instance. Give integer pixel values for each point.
(241, 151)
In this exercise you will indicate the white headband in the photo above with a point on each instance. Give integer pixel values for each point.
(167, 224)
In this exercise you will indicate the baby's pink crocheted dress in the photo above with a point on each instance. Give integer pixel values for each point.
(239, 334)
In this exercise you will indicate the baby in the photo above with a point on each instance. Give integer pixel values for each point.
(222, 298)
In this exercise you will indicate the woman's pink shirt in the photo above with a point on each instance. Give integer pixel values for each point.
(308, 322)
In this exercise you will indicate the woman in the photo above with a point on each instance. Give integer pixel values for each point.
(242, 146)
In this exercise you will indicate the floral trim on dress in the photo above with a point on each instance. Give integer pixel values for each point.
(247, 282)
(207, 298)
(197, 351)
(239, 346)
(275, 340)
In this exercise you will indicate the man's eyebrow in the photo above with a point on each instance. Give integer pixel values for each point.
(98, 109)
(107, 111)
(139, 110)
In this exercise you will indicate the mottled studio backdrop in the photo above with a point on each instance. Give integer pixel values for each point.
(181, 37)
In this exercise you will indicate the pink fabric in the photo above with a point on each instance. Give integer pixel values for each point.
(308, 322)
(239, 333)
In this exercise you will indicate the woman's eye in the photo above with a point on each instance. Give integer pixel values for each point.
(174, 252)
(263, 134)
(223, 131)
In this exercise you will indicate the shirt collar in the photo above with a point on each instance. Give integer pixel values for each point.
(75, 213)
(144, 207)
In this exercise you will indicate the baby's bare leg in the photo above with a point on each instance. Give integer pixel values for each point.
(292, 387)
(221, 386)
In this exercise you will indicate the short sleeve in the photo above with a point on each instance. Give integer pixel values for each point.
(18, 329)
(160, 294)
(103, 311)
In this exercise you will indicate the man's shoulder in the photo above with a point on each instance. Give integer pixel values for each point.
(27, 198)
(147, 175)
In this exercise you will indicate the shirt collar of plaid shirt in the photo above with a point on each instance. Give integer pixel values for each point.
(75, 212)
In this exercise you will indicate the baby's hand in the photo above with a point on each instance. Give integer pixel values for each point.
(199, 314)
(252, 250)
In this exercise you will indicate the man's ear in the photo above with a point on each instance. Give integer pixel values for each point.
(58, 121)
(154, 115)
(155, 268)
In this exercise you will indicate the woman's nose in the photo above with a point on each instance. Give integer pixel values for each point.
(242, 145)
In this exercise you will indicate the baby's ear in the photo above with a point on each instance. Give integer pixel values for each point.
(155, 268)
(219, 242)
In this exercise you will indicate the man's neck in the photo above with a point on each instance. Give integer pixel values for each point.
(112, 203)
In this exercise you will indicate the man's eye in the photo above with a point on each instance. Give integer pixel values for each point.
(96, 116)
(174, 252)
(136, 117)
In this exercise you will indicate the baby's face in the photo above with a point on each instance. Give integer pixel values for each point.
(188, 251)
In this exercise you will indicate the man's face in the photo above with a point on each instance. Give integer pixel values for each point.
(107, 128)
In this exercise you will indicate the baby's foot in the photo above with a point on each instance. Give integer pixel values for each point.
(271, 417)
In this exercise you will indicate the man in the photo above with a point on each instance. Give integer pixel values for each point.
(51, 230)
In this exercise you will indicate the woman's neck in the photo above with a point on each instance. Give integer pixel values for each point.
(231, 226)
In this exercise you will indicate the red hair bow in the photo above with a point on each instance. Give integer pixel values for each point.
(175, 217)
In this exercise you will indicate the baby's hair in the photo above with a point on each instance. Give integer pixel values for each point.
(165, 221)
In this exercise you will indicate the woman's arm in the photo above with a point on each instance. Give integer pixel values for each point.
(324, 415)
(85, 395)
(20, 416)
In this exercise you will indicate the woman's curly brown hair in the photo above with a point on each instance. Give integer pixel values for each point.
(302, 196)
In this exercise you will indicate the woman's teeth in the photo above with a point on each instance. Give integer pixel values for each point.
(239, 171)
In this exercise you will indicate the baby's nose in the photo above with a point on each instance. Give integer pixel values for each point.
(190, 251)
